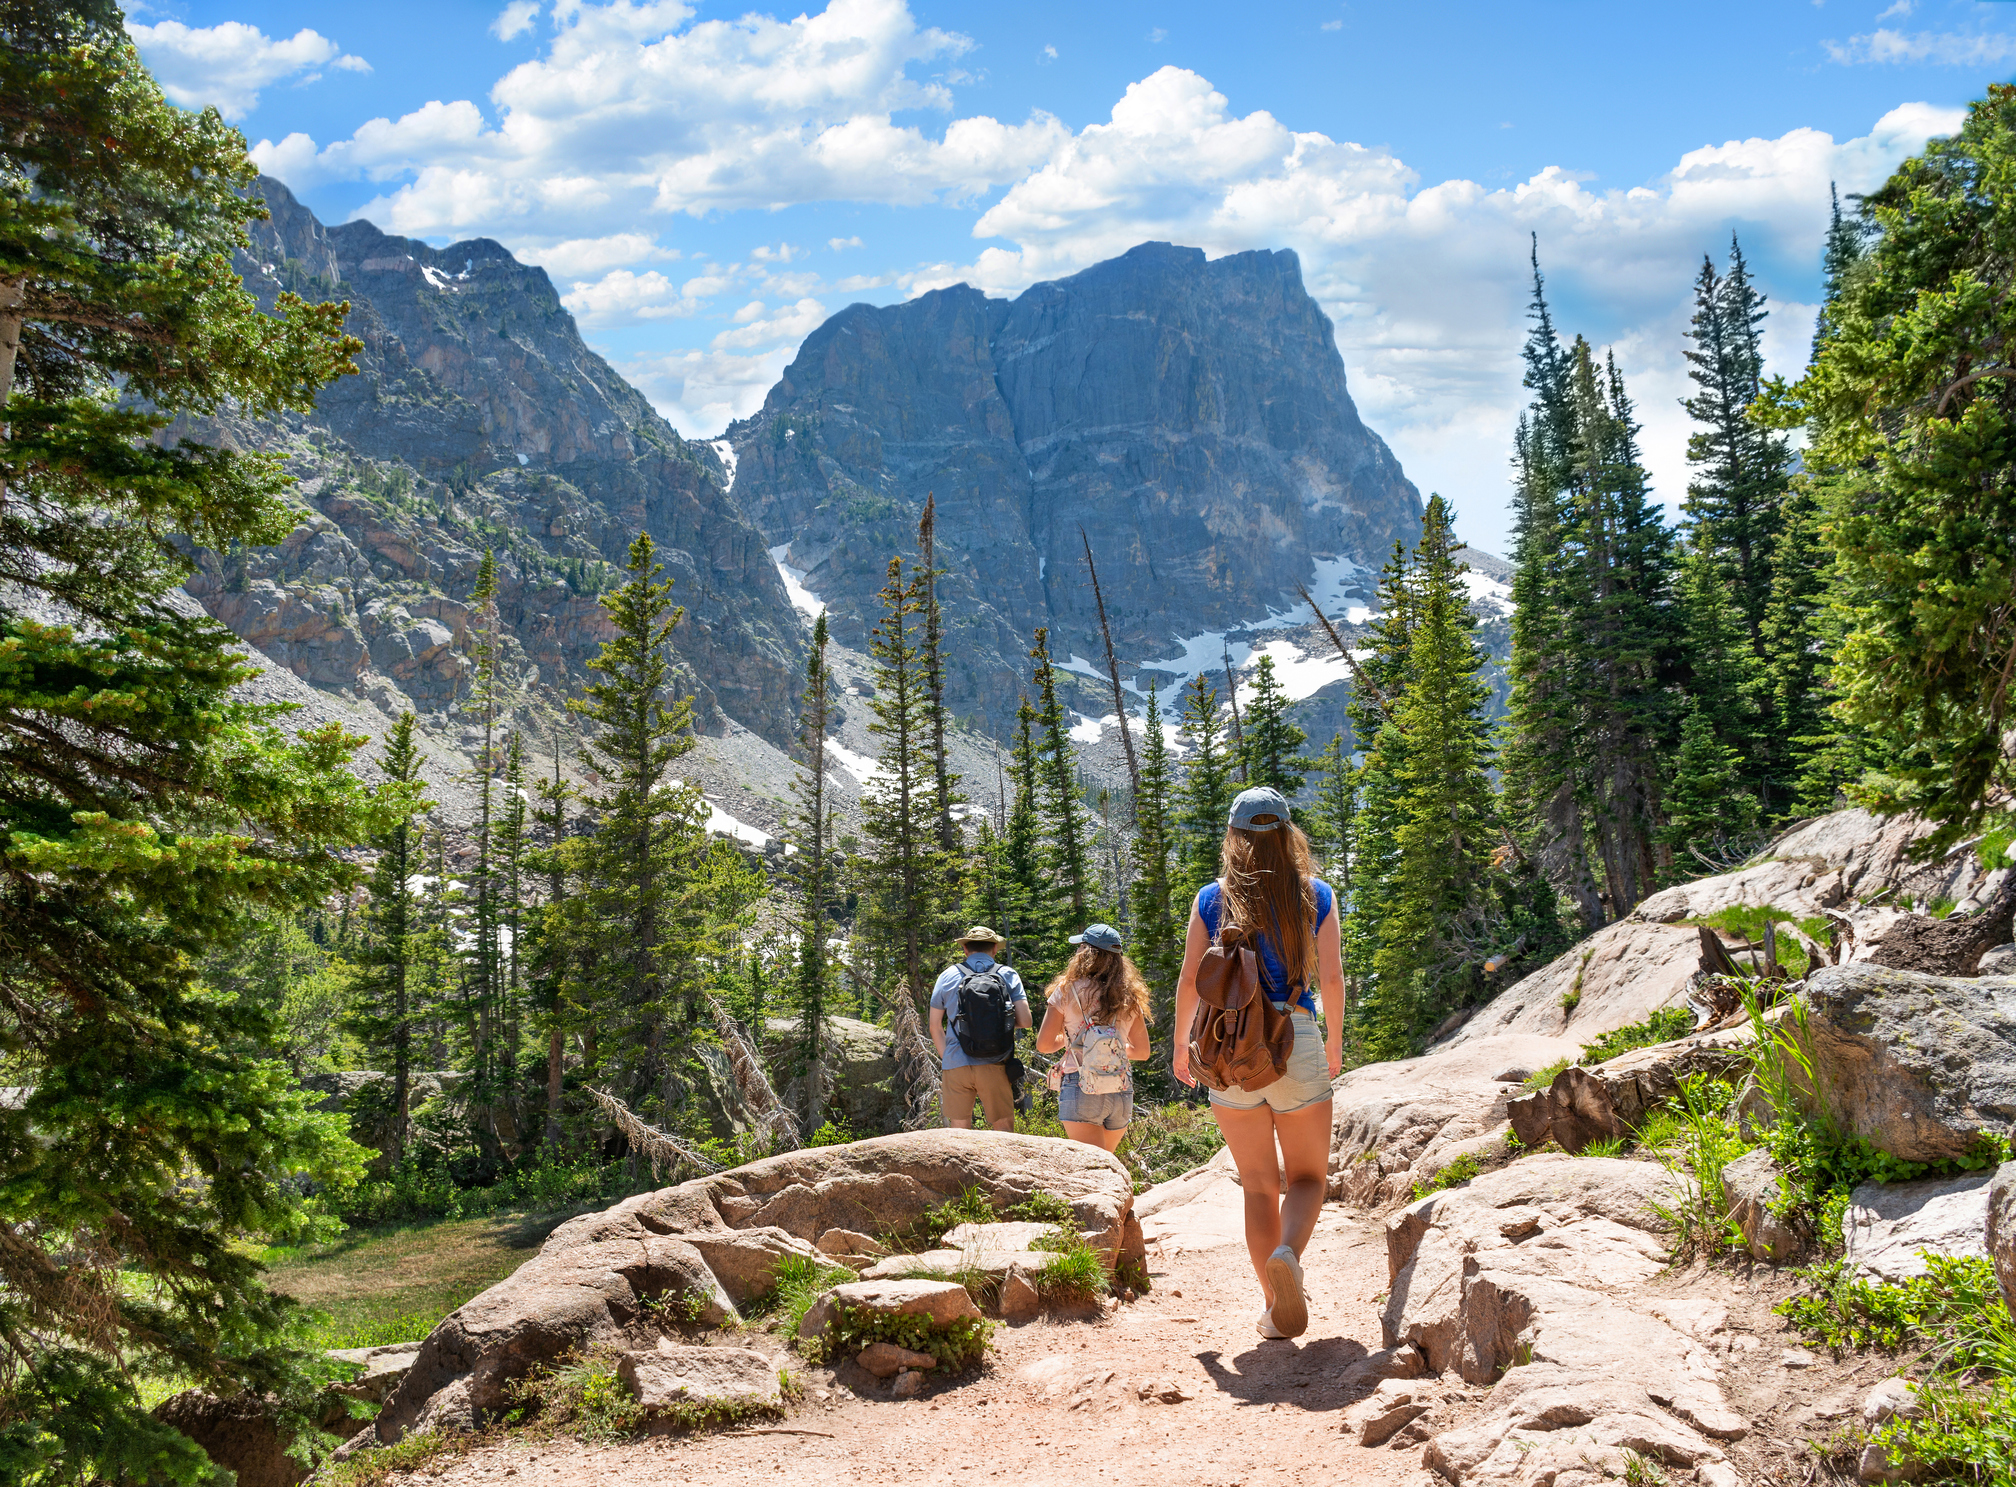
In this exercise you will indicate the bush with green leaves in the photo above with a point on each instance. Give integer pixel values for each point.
(1662, 1026)
(953, 1344)
(1459, 1171)
(800, 1282)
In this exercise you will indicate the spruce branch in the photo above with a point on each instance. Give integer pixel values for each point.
(917, 1070)
(773, 1122)
(665, 1151)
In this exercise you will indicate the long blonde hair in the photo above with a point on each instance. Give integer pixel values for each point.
(1117, 987)
(1269, 888)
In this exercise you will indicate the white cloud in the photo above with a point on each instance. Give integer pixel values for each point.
(702, 392)
(788, 327)
(638, 109)
(1946, 48)
(1333, 26)
(227, 64)
(1901, 9)
(622, 298)
(581, 258)
(1049, 54)
(748, 312)
(516, 19)
(836, 244)
(1427, 286)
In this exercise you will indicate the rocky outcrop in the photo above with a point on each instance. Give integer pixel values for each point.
(1889, 1226)
(1915, 1064)
(688, 1381)
(1191, 417)
(1610, 1099)
(480, 419)
(2001, 1229)
(1752, 1190)
(715, 1243)
(1534, 1279)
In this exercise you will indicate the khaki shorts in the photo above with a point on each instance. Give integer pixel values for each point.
(988, 1083)
(1306, 1082)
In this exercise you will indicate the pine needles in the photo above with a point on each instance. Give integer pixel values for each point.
(666, 1152)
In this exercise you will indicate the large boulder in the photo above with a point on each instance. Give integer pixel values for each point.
(238, 1433)
(1890, 1226)
(862, 1058)
(1917, 1065)
(1394, 1124)
(716, 1242)
(1535, 1277)
(2001, 1230)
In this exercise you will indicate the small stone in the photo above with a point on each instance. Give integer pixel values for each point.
(1713, 1474)
(885, 1358)
(816, 1317)
(1798, 1358)
(1890, 1398)
(909, 1384)
(1020, 1301)
(1127, 1293)
(1875, 1466)
(846, 1242)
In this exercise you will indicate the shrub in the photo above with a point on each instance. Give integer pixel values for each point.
(1662, 1026)
(1542, 1078)
(800, 1282)
(1461, 1170)
(1073, 1270)
(832, 1134)
(1701, 1140)
(1165, 1141)
(1043, 1208)
(953, 1344)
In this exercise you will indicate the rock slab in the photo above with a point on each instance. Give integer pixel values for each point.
(671, 1376)
(1750, 1186)
(1890, 1225)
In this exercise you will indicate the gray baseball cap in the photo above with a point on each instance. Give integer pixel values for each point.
(1262, 808)
(1099, 937)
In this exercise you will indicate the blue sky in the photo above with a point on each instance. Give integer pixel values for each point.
(706, 182)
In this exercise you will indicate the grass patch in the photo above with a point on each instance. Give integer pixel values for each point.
(953, 1344)
(800, 1282)
(393, 1283)
(584, 1396)
(1072, 1270)
(1697, 1139)
(1662, 1026)
(1749, 921)
(1542, 1078)
(1461, 1170)
(377, 1467)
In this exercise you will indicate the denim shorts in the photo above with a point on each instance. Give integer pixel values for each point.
(1306, 1083)
(1111, 1111)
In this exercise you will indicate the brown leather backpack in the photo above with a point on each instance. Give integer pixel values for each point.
(1238, 1036)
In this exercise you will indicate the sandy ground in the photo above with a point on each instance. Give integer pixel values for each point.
(1082, 1404)
(1060, 1402)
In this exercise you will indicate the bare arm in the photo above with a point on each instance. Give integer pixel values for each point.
(1023, 1016)
(938, 1030)
(1137, 1039)
(1195, 943)
(1330, 979)
(1051, 1036)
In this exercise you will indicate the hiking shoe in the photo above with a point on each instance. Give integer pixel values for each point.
(1290, 1312)
(1267, 1328)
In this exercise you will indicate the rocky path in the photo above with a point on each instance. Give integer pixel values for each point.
(1175, 1387)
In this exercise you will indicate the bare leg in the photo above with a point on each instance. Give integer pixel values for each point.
(1093, 1135)
(1250, 1135)
(1305, 1154)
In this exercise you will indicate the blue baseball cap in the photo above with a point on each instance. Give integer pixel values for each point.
(1263, 808)
(1099, 937)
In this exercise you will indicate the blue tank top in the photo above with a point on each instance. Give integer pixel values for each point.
(1274, 978)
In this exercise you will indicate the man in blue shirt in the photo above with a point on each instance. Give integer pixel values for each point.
(966, 1079)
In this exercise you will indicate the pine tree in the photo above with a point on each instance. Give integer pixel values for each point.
(1446, 825)
(901, 872)
(512, 842)
(812, 827)
(1735, 502)
(634, 950)
(1158, 936)
(1032, 918)
(1724, 681)
(1707, 807)
(1065, 827)
(1847, 242)
(944, 784)
(548, 947)
(481, 959)
(385, 1008)
(151, 815)
(1206, 794)
(1331, 819)
(1270, 741)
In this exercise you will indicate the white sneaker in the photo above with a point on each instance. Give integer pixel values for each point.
(1290, 1312)
(1266, 1326)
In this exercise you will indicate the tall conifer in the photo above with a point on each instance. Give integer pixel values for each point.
(901, 870)
(812, 826)
(1065, 825)
(1206, 793)
(1270, 741)
(1158, 938)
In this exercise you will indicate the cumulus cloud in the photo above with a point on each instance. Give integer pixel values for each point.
(582, 258)
(622, 297)
(227, 64)
(515, 19)
(637, 109)
(702, 392)
(1946, 48)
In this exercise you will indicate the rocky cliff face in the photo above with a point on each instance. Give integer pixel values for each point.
(1190, 417)
(481, 420)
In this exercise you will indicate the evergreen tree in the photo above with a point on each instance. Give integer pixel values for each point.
(384, 1007)
(151, 815)
(1206, 794)
(944, 784)
(1332, 824)
(1065, 828)
(1270, 741)
(813, 828)
(1847, 241)
(1723, 682)
(901, 872)
(1158, 935)
(633, 946)
(512, 842)
(1707, 808)
(1032, 918)
(1445, 829)
(1735, 502)
(482, 981)
(547, 950)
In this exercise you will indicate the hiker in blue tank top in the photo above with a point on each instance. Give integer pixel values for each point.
(1269, 889)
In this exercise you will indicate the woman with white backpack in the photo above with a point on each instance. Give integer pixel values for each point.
(1098, 1020)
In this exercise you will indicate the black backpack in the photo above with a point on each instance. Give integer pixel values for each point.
(985, 1026)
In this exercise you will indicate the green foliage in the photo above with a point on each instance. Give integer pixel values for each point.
(1271, 742)
(1844, 1312)
(1206, 796)
(1545, 1076)
(954, 1344)
(423, 1186)
(1072, 1270)
(831, 1133)
(1158, 931)
(1910, 421)
(800, 1282)
(1698, 1146)
(1165, 1141)
(1042, 1208)
(1065, 829)
(1663, 1026)
(1455, 1173)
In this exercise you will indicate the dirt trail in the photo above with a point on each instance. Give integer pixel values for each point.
(1060, 1402)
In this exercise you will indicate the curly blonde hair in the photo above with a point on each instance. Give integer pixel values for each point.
(1117, 987)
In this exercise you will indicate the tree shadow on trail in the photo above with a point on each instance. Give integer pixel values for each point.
(1302, 1375)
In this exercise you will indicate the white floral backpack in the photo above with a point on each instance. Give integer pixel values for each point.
(1101, 1055)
